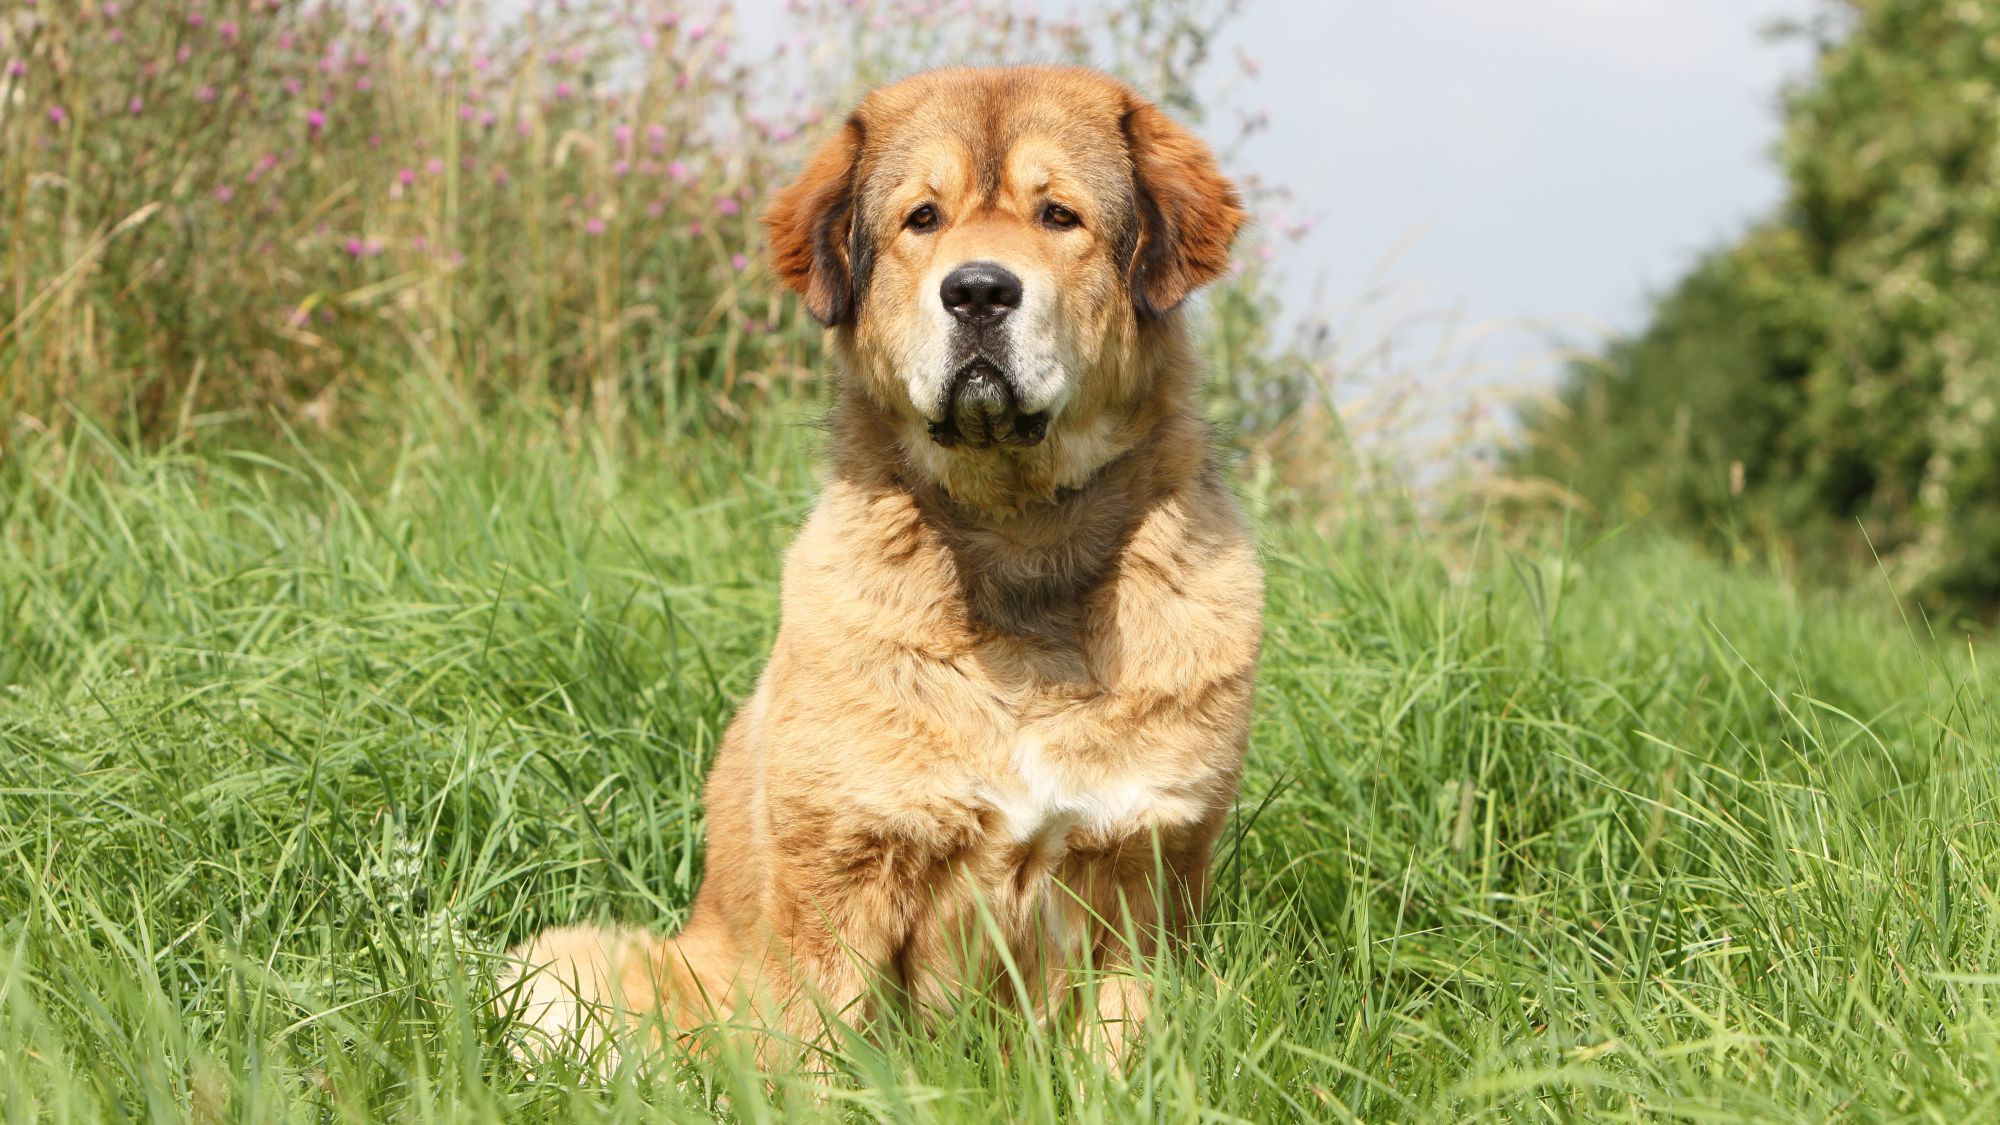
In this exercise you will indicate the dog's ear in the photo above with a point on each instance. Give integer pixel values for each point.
(1189, 212)
(813, 229)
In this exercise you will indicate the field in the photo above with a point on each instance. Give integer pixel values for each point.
(399, 435)
(294, 738)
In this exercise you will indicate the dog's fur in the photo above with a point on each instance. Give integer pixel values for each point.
(1010, 694)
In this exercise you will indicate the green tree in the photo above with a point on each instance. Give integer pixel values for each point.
(1834, 377)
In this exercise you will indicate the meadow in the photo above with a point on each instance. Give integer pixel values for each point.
(386, 540)
(294, 743)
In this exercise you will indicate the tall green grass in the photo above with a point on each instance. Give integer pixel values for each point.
(292, 743)
(384, 546)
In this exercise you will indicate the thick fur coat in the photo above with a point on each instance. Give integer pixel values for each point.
(1009, 699)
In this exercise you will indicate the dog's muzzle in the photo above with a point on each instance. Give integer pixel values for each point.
(982, 411)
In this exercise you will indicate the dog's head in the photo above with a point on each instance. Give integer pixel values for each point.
(995, 247)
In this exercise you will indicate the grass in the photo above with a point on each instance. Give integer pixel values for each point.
(292, 741)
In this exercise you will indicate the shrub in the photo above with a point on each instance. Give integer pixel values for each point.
(1840, 366)
(228, 209)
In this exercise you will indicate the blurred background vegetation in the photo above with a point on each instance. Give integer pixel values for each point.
(246, 216)
(225, 212)
(1824, 391)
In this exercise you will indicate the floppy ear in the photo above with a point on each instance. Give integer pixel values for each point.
(1188, 211)
(813, 230)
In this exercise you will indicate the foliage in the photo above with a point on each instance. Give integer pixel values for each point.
(237, 204)
(1841, 364)
(273, 210)
(291, 747)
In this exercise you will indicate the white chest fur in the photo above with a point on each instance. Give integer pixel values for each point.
(1045, 803)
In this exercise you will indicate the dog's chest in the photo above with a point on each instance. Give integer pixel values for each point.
(1049, 804)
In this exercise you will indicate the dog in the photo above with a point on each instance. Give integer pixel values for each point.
(1008, 705)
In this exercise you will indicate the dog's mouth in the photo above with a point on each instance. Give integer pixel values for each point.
(982, 411)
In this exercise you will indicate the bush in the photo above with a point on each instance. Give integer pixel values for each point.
(230, 209)
(238, 204)
(1831, 382)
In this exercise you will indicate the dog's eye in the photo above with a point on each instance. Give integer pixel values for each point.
(923, 218)
(1059, 217)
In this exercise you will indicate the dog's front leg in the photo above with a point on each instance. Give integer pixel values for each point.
(837, 924)
(1142, 898)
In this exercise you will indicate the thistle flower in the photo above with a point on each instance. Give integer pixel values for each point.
(738, 262)
(727, 206)
(315, 121)
(593, 225)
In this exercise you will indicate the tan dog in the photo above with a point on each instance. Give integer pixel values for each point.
(1010, 695)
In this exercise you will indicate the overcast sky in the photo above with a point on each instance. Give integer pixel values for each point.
(1534, 167)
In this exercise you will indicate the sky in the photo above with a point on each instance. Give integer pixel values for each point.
(1496, 176)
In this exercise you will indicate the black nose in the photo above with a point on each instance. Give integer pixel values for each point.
(978, 292)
